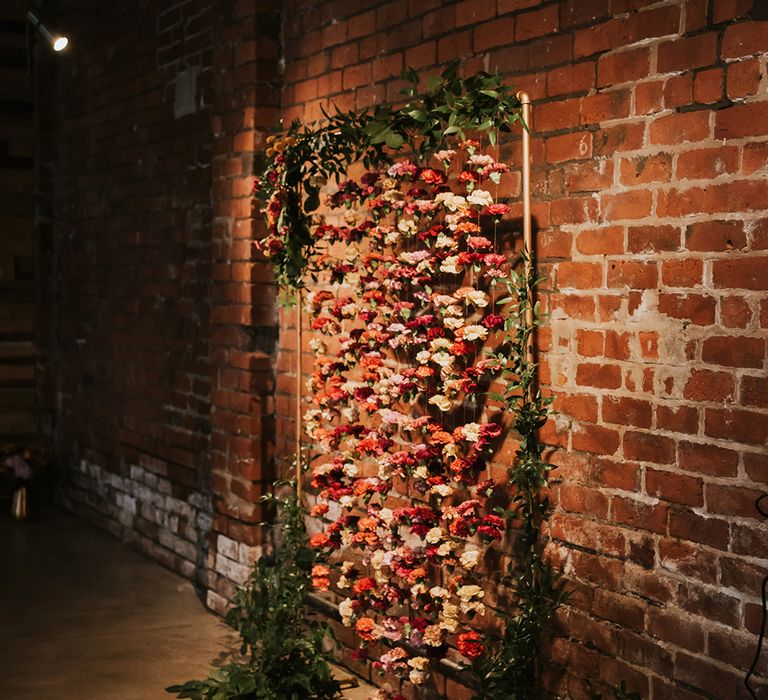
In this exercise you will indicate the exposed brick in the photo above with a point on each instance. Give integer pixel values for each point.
(675, 488)
(625, 66)
(652, 239)
(715, 236)
(737, 425)
(647, 447)
(677, 128)
(734, 351)
(688, 52)
(745, 39)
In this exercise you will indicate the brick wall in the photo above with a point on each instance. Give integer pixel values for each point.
(650, 152)
(159, 325)
(17, 249)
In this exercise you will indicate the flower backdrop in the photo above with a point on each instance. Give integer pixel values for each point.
(421, 368)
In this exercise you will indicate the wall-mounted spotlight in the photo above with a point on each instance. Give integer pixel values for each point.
(57, 41)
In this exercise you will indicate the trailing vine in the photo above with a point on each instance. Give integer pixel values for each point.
(420, 315)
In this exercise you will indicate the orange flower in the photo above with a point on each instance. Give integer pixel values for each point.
(320, 577)
(366, 629)
(319, 540)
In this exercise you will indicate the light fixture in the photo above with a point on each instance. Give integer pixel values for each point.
(57, 41)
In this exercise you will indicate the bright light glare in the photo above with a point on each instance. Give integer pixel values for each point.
(60, 43)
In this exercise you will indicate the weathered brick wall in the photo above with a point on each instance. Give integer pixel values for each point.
(17, 248)
(160, 372)
(650, 150)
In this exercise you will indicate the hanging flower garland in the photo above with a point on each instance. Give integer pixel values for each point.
(416, 316)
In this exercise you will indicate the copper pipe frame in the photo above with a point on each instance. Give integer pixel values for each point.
(299, 471)
(525, 103)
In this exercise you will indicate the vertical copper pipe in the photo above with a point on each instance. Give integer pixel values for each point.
(525, 102)
(299, 474)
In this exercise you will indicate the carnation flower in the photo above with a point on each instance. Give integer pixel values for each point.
(470, 645)
(442, 402)
(434, 535)
(497, 210)
(320, 577)
(433, 636)
(450, 201)
(450, 265)
(347, 611)
(480, 198)
(445, 155)
(367, 629)
(469, 558)
(474, 332)
(480, 159)
(402, 169)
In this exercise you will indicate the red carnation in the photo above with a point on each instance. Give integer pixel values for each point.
(470, 645)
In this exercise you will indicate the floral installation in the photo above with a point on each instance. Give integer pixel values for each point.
(417, 316)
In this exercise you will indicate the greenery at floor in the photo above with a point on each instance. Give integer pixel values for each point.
(284, 654)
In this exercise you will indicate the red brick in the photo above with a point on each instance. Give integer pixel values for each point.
(554, 244)
(617, 475)
(724, 10)
(617, 345)
(678, 91)
(634, 204)
(640, 515)
(622, 67)
(735, 312)
(715, 236)
(708, 459)
(514, 5)
(687, 52)
(644, 169)
(706, 385)
(471, 12)
(590, 176)
(580, 406)
(688, 560)
(754, 391)
(579, 77)
(604, 106)
(618, 138)
(743, 79)
(678, 419)
(741, 120)
(579, 499)
(707, 163)
(632, 274)
(648, 97)
(647, 447)
(491, 34)
(737, 425)
(454, 45)
(708, 86)
(357, 75)
(693, 307)
(536, 23)
(652, 239)
(710, 604)
(679, 128)
(684, 272)
(569, 147)
(745, 39)
(601, 241)
(734, 351)
(590, 343)
(599, 376)
(560, 114)
(627, 411)
(755, 158)
(670, 626)
(686, 525)
(579, 275)
(738, 195)
(675, 488)
(732, 500)
(621, 609)
(572, 210)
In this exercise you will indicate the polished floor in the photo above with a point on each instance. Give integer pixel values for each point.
(83, 617)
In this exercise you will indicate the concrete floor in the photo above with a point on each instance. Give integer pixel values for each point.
(83, 617)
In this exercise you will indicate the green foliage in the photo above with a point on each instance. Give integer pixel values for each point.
(309, 156)
(509, 670)
(284, 655)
